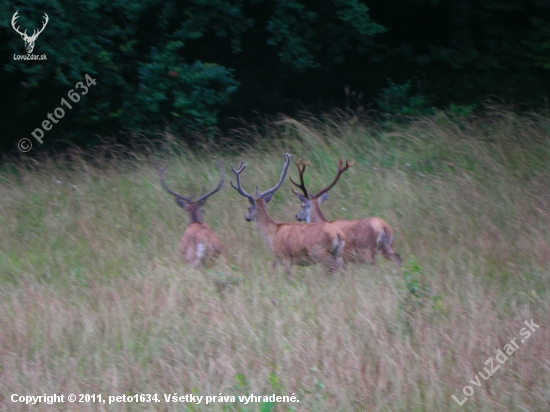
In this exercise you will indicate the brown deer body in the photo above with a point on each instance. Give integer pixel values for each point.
(292, 243)
(199, 244)
(364, 238)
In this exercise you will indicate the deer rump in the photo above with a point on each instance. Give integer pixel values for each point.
(319, 243)
(200, 244)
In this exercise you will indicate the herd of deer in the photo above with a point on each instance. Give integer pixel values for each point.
(319, 241)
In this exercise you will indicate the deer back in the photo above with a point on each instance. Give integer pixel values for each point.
(313, 241)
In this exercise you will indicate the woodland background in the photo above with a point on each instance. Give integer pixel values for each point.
(211, 65)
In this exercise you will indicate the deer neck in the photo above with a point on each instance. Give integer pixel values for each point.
(316, 213)
(194, 219)
(195, 215)
(265, 224)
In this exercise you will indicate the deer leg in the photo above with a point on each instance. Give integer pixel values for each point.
(341, 264)
(369, 255)
(274, 264)
(394, 257)
(333, 264)
(288, 267)
(285, 262)
(385, 245)
(389, 253)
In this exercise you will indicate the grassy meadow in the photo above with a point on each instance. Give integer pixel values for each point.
(95, 298)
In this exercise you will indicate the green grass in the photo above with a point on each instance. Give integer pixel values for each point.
(95, 298)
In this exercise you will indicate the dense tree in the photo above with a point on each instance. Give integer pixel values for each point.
(491, 47)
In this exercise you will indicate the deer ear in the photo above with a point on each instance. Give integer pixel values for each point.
(303, 199)
(323, 197)
(181, 203)
(268, 197)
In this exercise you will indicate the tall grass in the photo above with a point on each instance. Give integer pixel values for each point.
(95, 298)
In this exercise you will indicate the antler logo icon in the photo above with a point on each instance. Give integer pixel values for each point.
(29, 40)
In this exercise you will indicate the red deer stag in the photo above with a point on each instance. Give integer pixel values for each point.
(292, 243)
(364, 237)
(198, 244)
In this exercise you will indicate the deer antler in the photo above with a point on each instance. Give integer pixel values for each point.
(207, 195)
(190, 199)
(163, 183)
(262, 195)
(301, 172)
(239, 188)
(286, 156)
(338, 174)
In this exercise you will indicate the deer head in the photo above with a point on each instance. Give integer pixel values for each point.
(29, 40)
(264, 196)
(192, 206)
(310, 201)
